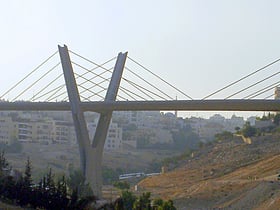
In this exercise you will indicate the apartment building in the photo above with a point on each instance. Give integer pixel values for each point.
(42, 131)
(114, 136)
(62, 132)
(23, 130)
(6, 129)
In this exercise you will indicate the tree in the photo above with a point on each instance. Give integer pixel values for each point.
(157, 202)
(74, 198)
(77, 181)
(26, 195)
(61, 194)
(168, 205)
(185, 138)
(276, 119)
(27, 179)
(110, 175)
(50, 181)
(121, 185)
(248, 130)
(9, 188)
(224, 135)
(128, 199)
(237, 129)
(143, 202)
(4, 165)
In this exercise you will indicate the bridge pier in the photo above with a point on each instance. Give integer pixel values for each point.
(91, 153)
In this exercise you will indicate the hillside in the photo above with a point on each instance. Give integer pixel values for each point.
(229, 174)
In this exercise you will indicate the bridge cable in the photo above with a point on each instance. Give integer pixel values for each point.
(61, 94)
(248, 75)
(90, 81)
(95, 84)
(160, 78)
(53, 96)
(88, 89)
(36, 81)
(50, 98)
(91, 91)
(99, 75)
(252, 95)
(45, 61)
(104, 79)
(97, 93)
(105, 71)
(253, 85)
(88, 60)
(98, 66)
(108, 70)
(96, 75)
(43, 89)
(148, 82)
(83, 91)
(84, 98)
(260, 93)
(125, 90)
(126, 99)
(50, 91)
(122, 97)
(138, 87)
(90, 70)
(269, 96)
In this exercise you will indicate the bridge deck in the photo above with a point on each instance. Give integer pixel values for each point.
(182, 105)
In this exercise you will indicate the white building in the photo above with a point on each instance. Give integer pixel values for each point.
(23, 130)
(142, 119)
(62, 132)
(114, 136)
(6, 129)
(42, 131)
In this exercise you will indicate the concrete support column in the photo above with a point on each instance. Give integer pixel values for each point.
(74, 99)
(103, 126)
(90, 155)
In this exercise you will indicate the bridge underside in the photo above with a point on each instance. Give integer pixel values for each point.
(181, 105)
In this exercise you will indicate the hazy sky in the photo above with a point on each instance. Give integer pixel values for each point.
(199, 46)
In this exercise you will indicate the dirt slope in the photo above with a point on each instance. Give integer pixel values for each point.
(229, 174)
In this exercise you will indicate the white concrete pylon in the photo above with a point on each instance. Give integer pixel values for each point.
(91, 155)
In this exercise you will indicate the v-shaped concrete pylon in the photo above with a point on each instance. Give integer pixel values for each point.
(91, 155)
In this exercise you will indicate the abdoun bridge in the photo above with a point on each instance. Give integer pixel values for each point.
(83, 85)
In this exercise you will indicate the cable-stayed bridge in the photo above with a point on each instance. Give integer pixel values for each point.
(121, 84)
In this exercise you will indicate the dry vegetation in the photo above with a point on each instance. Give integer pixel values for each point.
(229, 174)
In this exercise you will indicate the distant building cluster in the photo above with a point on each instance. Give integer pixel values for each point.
(207, 128)
(35, 128)
(51, 128)
(152, 126)
(126, 128)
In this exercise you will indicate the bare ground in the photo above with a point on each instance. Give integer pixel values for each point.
(228, 175)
